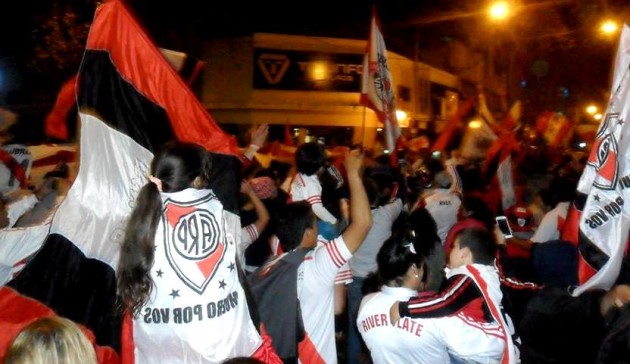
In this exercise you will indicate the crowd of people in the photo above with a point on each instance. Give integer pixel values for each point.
(467, 293)
(347, 257)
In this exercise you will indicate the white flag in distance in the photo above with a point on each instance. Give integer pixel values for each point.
(376, 84)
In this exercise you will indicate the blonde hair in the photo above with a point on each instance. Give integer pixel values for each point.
(51, 340)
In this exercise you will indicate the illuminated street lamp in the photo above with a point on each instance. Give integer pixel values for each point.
(401, 116)
(591, 109)
(499, 10)
(475, 124)
(597, 116)
(608, 27)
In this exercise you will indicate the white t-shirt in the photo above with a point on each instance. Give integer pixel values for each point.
(249, 234)
(315, 284)
(551, 225)
(197, 312)
(408, 341)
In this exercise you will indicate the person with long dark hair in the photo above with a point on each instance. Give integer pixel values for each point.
(178, 273)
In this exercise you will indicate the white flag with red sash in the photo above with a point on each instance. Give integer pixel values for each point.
(605, 217)
(377, 91)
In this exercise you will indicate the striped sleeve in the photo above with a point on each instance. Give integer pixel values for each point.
(460, 292)
(249, 234)
(344, 276)
(335, 254)
(506, 276)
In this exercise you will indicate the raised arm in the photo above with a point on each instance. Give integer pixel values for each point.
(360, 214)
(262, 215)
(258, 137)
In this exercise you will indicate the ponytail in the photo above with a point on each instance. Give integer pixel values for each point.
(137, 251)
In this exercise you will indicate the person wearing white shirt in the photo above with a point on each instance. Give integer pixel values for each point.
(409, 340)
(316, 276)
(363, 261)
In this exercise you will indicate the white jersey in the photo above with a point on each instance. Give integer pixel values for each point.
(344, 275)
(443, 205)
(249, 234)
(483, 342)
(197, 312)
(309, 189)
(407, 341)
(315, 284)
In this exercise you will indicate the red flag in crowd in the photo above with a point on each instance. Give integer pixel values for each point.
(499, 161)
(377, 91)
(553, 127)
(56, 125)
(447, 134)
(186, 65)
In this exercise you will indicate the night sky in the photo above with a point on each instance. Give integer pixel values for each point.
(562, 58)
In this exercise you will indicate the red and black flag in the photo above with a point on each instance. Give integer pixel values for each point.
(58, 120)
(130, 102)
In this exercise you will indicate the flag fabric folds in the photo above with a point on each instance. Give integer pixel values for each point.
(186, 65)
(377, 89)
(513, 117)
(485, 112)
(447, 134)
(505, 177)
(499, 162)
(553, 127)
(477, 139)
(130, 102)
(605, 214)
(55, 124)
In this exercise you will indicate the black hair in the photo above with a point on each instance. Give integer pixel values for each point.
(294, 220)
(394, 259)
(479, 210)
(385, 183)
(242, 360)
(330, 194)
(372, 191)
(480, 242)
(309, 158)
(563, 189)
(176, 165)
(428, 244)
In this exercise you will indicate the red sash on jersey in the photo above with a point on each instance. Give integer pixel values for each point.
(14, 167)
(509, 356)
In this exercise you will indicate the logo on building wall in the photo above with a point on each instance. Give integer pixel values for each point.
(273, 66)
(277, 69)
